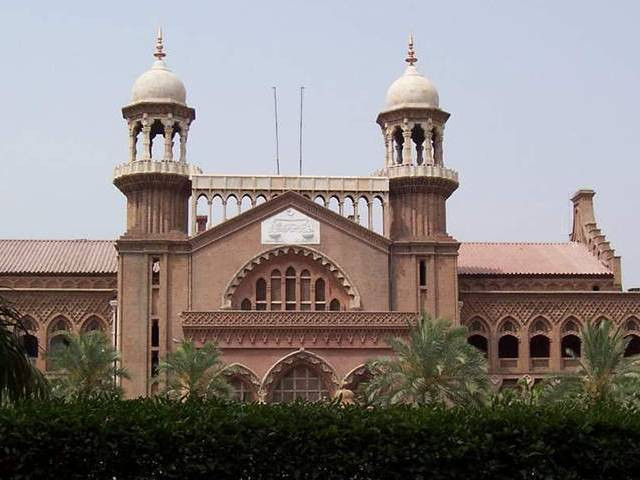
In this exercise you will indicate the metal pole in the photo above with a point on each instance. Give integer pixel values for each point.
(301, 97)
(275, 110)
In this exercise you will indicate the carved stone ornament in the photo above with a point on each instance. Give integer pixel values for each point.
(290, 227)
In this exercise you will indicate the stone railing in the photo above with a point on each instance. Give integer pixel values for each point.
(152, 166)
(435, 171)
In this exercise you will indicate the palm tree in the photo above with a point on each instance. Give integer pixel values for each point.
(436, 365)
(87, 367)
(195, 372)
(18, 377)
(603, 373)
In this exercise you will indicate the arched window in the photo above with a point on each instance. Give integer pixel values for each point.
(539, 346)
(300, 382)
(276, 290)
(480, 342)
(290, 289)
(305, 290)
(246, 304)
(633, 345)
(242, 391)
(334, 305)
(261, 294)
(57, 340)
(418, 137)
(570, 346)
(398, 142)
(508, 347)
(30, 344)
(92, 324)
(631, 325)
(319, 294)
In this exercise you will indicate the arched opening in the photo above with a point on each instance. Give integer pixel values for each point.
(260, 200)
(418, 137)
(246, 203)
(570, 346)
(320, 294)
(202, 214)
(290, 289)
(539, 346)
(232, 207)
(217, 210)
(300, 382)
(334, 204)
(377, 214)
(398, 142)
(176, 136)
(363, 212)
(480, 342)
(246, 304)
(633, 345)
(93, 324)
(334, 305)
(276, 290)
(135, 145)
(349, 209)
(30, 344)
(261, 294)
(305, 290)
(319, 200)
(508, 347)
(157, 147)
(56, 338)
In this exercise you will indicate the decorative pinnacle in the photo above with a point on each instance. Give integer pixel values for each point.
(159, 53)
(411, 54)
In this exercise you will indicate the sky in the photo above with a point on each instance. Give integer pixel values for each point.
(543, 95)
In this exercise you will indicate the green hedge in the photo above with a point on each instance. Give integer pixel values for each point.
(158, 439)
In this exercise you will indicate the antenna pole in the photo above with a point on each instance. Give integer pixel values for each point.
(300, 146)
(275, 111)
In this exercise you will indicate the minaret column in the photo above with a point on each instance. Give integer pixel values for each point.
(146, 140)
(407, 154)
(132, 142)
(168, 139)
(184, 132)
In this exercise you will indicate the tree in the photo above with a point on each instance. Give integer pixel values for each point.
(436, 365)
(87, 367)
(603, 373)
(18, 377)
(195, 372)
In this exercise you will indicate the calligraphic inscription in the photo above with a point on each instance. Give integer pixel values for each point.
(290, 227)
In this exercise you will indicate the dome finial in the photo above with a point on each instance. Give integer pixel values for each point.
(159, 53)
(411, 54)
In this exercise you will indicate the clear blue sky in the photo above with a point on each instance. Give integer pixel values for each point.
(543, 96)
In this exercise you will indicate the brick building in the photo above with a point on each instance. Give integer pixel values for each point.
(301, 277)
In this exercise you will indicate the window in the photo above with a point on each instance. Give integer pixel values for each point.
(93, 324)
(319, 294)
(570, 346)
(334, 305)
(508, 347)
(423, 273)
(290, 289)
(241, 390)
(261, 294)
(276, 293)
(155, 271)
(539, 346)
(246, 304)
(305, 290)
(633, 347)
(155, 334)
(301, 382)
(30, 344)
(480, 343)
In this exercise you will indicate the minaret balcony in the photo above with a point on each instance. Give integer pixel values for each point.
(153, 166)
(433, 171)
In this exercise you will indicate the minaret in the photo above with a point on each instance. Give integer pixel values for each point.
(156, 182)
(424, 255)
(157, 186)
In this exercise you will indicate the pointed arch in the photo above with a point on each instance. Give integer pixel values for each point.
(300, 358)
(332, 267)
(244, 381)
(94, 322)
(540, 326)
(356, 377)
(508, 326)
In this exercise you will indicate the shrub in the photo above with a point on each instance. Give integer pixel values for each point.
(163, 439)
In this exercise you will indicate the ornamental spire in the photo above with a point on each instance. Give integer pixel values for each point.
(159, 53)
(411, 54)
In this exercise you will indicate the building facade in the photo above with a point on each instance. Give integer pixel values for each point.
(299, 279)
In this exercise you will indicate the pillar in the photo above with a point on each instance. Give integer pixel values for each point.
(407, 154)
(146, 141)
(168, 141)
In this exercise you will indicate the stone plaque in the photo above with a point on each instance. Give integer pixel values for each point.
(290, 227)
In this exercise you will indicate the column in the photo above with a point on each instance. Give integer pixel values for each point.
(341, 207)
(184, 133)
(209, 219)
(388, 146)
(437, 147)
(407, 154)
(132, 143)
(224, 210)
(194, 214)
(146, 142)
(428, 151)
(369, 214)
(168, 141)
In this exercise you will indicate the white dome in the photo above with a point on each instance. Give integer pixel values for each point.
(412, 90)
(159, 85)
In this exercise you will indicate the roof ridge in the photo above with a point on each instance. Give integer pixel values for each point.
(57, 240)
(520, 243)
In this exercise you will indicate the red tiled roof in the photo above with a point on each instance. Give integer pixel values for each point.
(58, 256)
(570, 258)
(99, 256)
